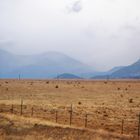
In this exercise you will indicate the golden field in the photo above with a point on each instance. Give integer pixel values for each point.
(106, 104)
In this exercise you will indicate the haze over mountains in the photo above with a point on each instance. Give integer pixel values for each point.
(55, 64)
(46, 65)
(131, 71)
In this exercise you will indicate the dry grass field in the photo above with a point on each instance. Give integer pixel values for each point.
(47, 108)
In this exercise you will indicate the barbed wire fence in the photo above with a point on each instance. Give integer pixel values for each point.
(67, 116)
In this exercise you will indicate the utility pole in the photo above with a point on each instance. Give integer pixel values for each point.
(19, 76)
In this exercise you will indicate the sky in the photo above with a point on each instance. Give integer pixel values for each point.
(101, 33)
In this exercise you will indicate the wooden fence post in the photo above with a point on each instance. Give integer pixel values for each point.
(122, 127)
(21, 107)
(139, 128)
(32, 111)
(12, 109)
(85, 120)
(56, 116)
(71, 110)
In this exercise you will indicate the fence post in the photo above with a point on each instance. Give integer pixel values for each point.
(122, 127)
(139, 127)
(71, 110)
(21, 106)
(32, 111)
(12, 109)
(56, 116)
(85, 120)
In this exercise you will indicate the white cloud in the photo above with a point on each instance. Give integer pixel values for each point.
(75, 6)
(104, 33)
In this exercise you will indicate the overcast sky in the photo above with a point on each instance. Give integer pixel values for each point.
(102, 33)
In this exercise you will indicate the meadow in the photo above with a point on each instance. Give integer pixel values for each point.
(69, 109)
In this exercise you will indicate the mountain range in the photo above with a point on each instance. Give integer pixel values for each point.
(46, 65)
(131, 71)
(123, 72)
(58, 65)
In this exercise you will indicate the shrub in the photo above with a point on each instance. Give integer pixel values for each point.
(131, 100)
(79, 103)
(129, 85)
(121, 95)
(118, 88)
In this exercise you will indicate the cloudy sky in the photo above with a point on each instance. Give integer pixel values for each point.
(102, 33)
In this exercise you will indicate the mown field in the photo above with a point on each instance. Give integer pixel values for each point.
(99, 108)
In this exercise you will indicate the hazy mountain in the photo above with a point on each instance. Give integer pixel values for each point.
(51, 64)
(68, 76)
(46, 65)
(114, 69)
(106, 74)
(7, 61)
(131, 71)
